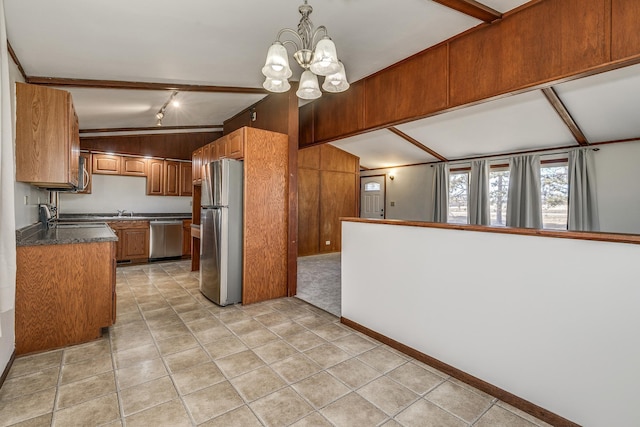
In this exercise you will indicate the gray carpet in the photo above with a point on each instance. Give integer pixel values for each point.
(319, 281)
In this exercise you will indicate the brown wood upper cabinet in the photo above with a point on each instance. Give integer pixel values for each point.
(107, 164)
(47, 137)
(233, 145)
(186, 181)
(171, 178)
(155, 177)
(196, 166)
(134, 166)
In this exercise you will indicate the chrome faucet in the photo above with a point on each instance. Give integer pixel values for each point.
(121, 212)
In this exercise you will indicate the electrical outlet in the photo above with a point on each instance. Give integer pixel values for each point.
(393, 203)
(327, 243)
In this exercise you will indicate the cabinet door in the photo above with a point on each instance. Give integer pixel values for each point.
(134, 166)
(196, 166)
(234, 145)
(74, 141)
(207, 157)
(47, 140)
(186, 183)
(106, 164)
(186, 237)
(88, 167)
(135, 243)
(155, 177)
(171, 178)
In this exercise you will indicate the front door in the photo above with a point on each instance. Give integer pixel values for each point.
(372, 196)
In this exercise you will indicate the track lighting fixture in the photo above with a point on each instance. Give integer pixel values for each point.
(173, 101)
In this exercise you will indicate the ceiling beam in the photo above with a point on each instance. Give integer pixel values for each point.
(472, 8)
(417, 143)
(564, 114)
(117, 84)
(158, 128)
(16, 60)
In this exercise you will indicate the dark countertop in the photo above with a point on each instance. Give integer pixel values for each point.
(101, 217)
(36, 234)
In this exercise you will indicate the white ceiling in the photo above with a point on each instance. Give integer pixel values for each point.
(382, 149)
(606, 105)
(224, 42)
(516, 123)
(128, 108)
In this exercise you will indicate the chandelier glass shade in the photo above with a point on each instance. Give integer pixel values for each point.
(315, 52)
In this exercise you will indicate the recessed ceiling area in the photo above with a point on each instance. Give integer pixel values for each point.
(606, 105)
(137, 108)
(382, 148)
(515, 123)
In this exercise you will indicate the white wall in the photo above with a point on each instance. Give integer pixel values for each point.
(410, 190)
(553, 321)
(618, 176)
(111, 192)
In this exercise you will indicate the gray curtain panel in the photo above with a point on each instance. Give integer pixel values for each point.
(441, 192)
(583, 201)
(479, 193)
(524, 202)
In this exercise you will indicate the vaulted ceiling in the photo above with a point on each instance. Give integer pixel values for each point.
(212, 52)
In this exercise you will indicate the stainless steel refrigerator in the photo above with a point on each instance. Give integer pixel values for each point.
(221, 232)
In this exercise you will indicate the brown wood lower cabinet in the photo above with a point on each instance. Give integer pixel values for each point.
(133, 240)
(65, 294)
(186, 237)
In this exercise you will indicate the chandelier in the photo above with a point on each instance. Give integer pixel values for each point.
(315, 52)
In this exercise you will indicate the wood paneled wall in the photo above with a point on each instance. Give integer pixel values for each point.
(625, 37)
(328, 188)
(538, 45)
(167, 145)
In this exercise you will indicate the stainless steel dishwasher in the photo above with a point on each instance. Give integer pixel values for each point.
(165, 239)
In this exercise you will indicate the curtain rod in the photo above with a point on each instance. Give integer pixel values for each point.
(551, 152)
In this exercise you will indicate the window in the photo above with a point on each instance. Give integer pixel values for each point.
(555, 196)
(458, 198)
(372, 186)
(498, 191)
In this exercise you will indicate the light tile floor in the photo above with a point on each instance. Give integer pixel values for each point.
(175, 359)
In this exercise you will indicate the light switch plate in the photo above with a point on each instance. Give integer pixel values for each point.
(327, 243)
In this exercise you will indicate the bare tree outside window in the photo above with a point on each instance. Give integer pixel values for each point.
(458, 198)
(555, 196)
(498, 191)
